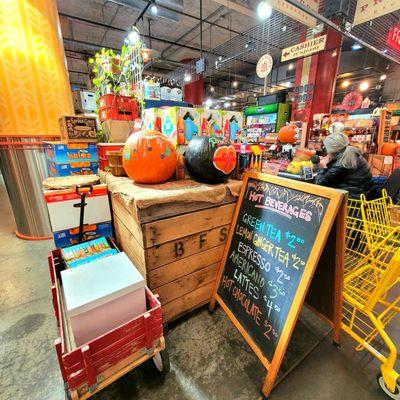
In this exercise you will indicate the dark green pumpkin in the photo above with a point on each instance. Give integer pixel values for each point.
(199, 160)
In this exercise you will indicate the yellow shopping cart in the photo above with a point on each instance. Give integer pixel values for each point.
(370, 302)
(367, 223)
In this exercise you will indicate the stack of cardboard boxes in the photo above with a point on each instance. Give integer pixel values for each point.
(76, 154)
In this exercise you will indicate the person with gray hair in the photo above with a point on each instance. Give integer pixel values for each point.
(346, 168)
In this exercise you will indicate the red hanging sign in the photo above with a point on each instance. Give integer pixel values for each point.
(393, 39)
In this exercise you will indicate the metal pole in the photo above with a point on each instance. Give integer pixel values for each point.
(337, 28)
(201, 28)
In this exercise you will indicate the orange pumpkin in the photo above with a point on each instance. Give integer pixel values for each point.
(389, 149)
(287, 134)
(149, 157)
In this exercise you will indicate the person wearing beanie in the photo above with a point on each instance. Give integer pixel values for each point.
(346, 168)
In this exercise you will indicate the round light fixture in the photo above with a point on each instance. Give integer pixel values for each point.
(382, 77)
(345, 84)
(133, 37)
(154, 9)
(235, 84)
(363, 86)
(334, 54)
(356, 46)
(264, 10)
(290, 67)
(212, 89)
(187, 78)
(227, 104)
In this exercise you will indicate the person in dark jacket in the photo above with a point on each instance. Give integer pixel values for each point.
(346, 168)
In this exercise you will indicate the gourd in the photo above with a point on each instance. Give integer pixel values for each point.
(208, 159)
(149, 157)
(287, 134)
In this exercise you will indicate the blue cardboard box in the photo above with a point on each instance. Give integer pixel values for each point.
(59, 152)
(70, 236)
(73, 168)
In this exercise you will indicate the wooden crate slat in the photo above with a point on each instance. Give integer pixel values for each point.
(187, 284)
(124, 214)
(175, 270)
(160, 211)
(166, 230)
(188, 302)
(130, 245)
(166, 253)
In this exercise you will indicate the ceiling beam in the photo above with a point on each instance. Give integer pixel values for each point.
(105, 26)
(237, 7)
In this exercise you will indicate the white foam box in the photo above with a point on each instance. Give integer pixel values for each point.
(64, 207)
(102, 295)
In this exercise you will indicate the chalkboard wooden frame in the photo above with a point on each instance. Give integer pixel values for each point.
(335, 211)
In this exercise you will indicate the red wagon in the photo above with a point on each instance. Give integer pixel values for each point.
(93, 366)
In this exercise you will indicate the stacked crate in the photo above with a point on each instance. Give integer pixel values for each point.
(117, 115)
(177, 247)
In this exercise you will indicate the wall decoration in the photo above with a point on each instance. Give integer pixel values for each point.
(352, 101)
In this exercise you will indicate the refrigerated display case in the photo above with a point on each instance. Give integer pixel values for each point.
(265, 121)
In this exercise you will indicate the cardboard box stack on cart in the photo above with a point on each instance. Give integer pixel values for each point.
(76, 153)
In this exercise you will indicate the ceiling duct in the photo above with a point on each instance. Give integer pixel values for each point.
(167, 14)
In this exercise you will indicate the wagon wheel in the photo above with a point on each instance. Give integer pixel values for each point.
(161, 362)
(382, 384)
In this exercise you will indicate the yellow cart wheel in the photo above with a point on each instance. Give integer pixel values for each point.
(382, 384)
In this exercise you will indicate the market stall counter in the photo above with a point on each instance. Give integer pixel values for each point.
(175, 235)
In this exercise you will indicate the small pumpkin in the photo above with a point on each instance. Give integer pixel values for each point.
(389, 149)
(287, 134)
(208, 159)
(149, 157)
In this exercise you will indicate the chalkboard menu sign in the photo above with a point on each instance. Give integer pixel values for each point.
(277, 235)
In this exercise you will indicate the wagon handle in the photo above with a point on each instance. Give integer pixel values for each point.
(82, 191)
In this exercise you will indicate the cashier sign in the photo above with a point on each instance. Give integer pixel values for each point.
(304, 49)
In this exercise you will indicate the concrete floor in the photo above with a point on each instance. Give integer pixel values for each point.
(209, 359)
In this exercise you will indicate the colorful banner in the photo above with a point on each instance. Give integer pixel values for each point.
(371, 9)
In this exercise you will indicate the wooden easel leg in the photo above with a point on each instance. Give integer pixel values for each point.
(340, 250)
(268, 385)
(211, 306)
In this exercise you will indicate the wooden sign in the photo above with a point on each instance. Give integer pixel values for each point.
(370, 9)
(304, 49)
(293, 12)
(277, 236)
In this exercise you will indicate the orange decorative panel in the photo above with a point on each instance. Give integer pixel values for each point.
(34, 85)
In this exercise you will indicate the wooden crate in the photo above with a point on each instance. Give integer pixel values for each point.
(176, 247)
